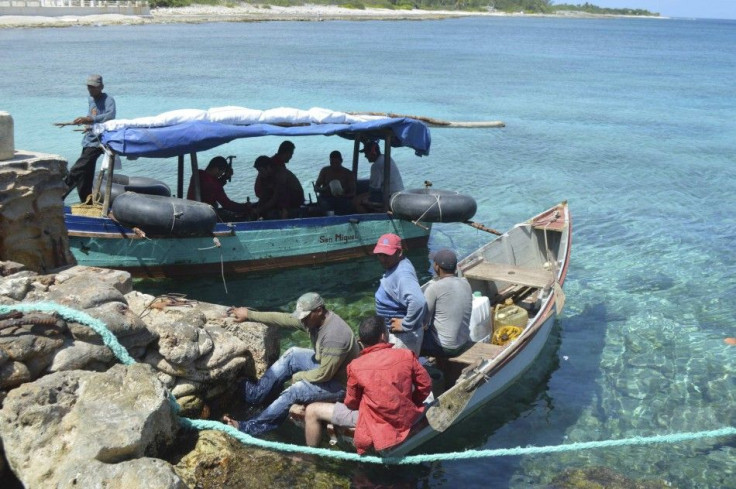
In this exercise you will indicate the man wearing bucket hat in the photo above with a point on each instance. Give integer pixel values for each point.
(449, 304)
(101, 109)
(316, 375)
(399, 298)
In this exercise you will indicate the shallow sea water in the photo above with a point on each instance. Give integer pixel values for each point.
(633, 121)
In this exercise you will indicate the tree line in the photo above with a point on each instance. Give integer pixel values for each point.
(506, 6)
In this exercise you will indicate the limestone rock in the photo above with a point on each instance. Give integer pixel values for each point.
(70, 419)
(119, 280)
(141, 473)
(84, 290)
(16, 287)
(10, 268)
(13, 374)
(32, 229)
(262, 341)
(128, 328)
(78, 355)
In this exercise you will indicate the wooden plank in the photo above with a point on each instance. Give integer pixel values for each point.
(479, 351)
(531, 277)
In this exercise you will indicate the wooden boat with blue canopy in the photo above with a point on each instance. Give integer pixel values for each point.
(154, 238)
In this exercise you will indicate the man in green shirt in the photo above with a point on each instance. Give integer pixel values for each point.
(317, 375)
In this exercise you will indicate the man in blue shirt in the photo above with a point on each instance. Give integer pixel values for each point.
(399, 298)
(101, 109)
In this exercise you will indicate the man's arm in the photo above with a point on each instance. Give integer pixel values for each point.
(353, 393)
(321, 179)
(108, 111)
(280, 319)
(416, 305)
(430, 296)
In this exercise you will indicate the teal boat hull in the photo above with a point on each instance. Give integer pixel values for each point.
(235, 248)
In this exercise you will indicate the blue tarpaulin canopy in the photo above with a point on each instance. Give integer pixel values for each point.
(196, 136)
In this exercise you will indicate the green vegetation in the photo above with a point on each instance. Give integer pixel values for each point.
(593, 9)
(509, 6)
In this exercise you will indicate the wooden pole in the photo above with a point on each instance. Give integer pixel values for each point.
(180, 177)
(386, 171)
(432, 122)
(481, 227)
(195, 177)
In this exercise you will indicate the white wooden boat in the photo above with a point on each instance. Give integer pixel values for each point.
(526, 265)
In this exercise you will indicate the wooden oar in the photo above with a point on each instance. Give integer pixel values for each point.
(63, 124)
(432, 122)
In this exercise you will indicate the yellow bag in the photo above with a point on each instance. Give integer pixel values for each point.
(91, 207)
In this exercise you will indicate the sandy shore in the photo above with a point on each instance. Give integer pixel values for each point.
(245, 12)
(241, 13)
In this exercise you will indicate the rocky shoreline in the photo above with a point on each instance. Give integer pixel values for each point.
(244, 12)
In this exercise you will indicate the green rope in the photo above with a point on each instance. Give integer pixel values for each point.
(78, 317)
(200, 424)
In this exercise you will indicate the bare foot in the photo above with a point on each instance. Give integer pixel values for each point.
(230, 421)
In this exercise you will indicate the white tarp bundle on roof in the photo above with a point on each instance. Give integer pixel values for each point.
(239, 116)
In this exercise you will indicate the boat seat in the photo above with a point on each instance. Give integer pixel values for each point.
(453, 367)
(477, 352)
(499, 272)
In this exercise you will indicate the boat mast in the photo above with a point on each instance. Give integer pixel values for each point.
(180, 177)
(386, 170)
(356, 154)
(108, 184)
(195, 177)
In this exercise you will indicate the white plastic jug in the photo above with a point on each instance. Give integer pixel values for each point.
(480, 318)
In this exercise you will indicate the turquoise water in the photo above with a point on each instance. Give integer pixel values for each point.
(632, 121)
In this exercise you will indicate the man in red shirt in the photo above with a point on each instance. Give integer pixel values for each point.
(211, 188)
(385, 391)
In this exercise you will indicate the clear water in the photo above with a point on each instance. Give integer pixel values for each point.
(633, 121)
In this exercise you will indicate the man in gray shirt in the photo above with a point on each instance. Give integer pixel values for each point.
(450, 303)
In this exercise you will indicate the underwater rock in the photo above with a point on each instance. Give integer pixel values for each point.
(600, 478)
(218, 461)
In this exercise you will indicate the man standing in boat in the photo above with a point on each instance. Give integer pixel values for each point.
(316, 375)
(101, 109)
(399, 298)
(449, 306)
(374, 197)
(386, 385)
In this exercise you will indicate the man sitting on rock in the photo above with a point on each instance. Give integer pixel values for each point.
(317, 375)
(386, 385)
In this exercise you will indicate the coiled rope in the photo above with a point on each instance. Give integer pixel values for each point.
(198, 424)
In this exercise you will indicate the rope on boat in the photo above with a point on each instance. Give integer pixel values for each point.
(199, 424)
(217, 245)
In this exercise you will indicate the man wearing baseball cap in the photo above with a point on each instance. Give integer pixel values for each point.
(101, 109)
(399, 298)
(449, 304)
(316, 375)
